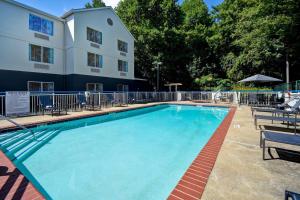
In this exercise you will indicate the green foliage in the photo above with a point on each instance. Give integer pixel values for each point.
(211, 82)
(196, 14)
(162, 27)
(249, 88)
(95, 4)
(203, 49)
(254, 36)
(206, 82)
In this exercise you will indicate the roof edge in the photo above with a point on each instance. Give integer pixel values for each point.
(34, 10)
(67, 14)
(72, 11)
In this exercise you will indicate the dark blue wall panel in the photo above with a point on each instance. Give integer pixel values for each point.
(17, 80)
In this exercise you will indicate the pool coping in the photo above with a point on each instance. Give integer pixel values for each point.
(192, 184)
(31, 192)
(99, 113)
(71, 118)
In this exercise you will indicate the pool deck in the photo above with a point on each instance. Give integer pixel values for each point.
(235, 167)
(13, 184)
(241, 173)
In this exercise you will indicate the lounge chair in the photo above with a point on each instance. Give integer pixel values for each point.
(293, 120)
(278, 112)
(290, 105)
(283, 138)
(291, 195)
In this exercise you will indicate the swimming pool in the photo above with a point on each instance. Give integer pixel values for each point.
(138, 154)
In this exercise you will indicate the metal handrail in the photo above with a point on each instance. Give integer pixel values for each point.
(17, 124)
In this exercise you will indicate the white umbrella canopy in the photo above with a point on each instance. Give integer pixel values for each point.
(260, 78)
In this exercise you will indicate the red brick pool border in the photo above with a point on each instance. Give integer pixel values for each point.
(193, 182)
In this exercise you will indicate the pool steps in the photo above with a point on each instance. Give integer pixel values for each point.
(11, 136)
(35, 145)
(21, 144)
(14, 151)
(18, 139)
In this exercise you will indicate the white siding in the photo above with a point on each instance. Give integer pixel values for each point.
(15, 37)
(108, 49)
(69, 42)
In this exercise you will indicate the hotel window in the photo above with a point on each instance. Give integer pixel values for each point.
(94, 87)
(94, 60)
(122, 66)
(41, 25)
(121, 88)
(41, 54)
(37, 86)
(94, 36)
(122, 46)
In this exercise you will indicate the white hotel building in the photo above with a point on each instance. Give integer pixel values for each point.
(85, 49)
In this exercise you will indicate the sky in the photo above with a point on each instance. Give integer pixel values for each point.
(59, 7)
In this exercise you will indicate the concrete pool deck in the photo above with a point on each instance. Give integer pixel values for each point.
(239, 171)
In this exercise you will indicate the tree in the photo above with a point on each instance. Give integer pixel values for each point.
(253, 36)
(196, 13)
(156, 27)
(95, 4)
(238, 38)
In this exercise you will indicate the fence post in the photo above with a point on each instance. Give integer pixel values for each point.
(114, 99)
(99, 100)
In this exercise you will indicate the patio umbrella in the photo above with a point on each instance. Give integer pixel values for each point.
(260, 78)
(253, 97)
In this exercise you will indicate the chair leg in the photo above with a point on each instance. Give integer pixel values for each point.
(273, 116)
(260, 140)
(295, 123)
(264, 146)
(287, 195)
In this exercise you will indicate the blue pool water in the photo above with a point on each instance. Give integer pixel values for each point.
(139, 154)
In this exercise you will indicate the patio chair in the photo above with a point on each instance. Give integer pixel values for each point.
(276, 99)
(92, 101)
(291, 195)
(278, 137)
(47, 104)
(131, 100)
(81, 101)
(120, 99)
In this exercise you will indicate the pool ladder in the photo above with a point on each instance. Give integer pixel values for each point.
(17, 124)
